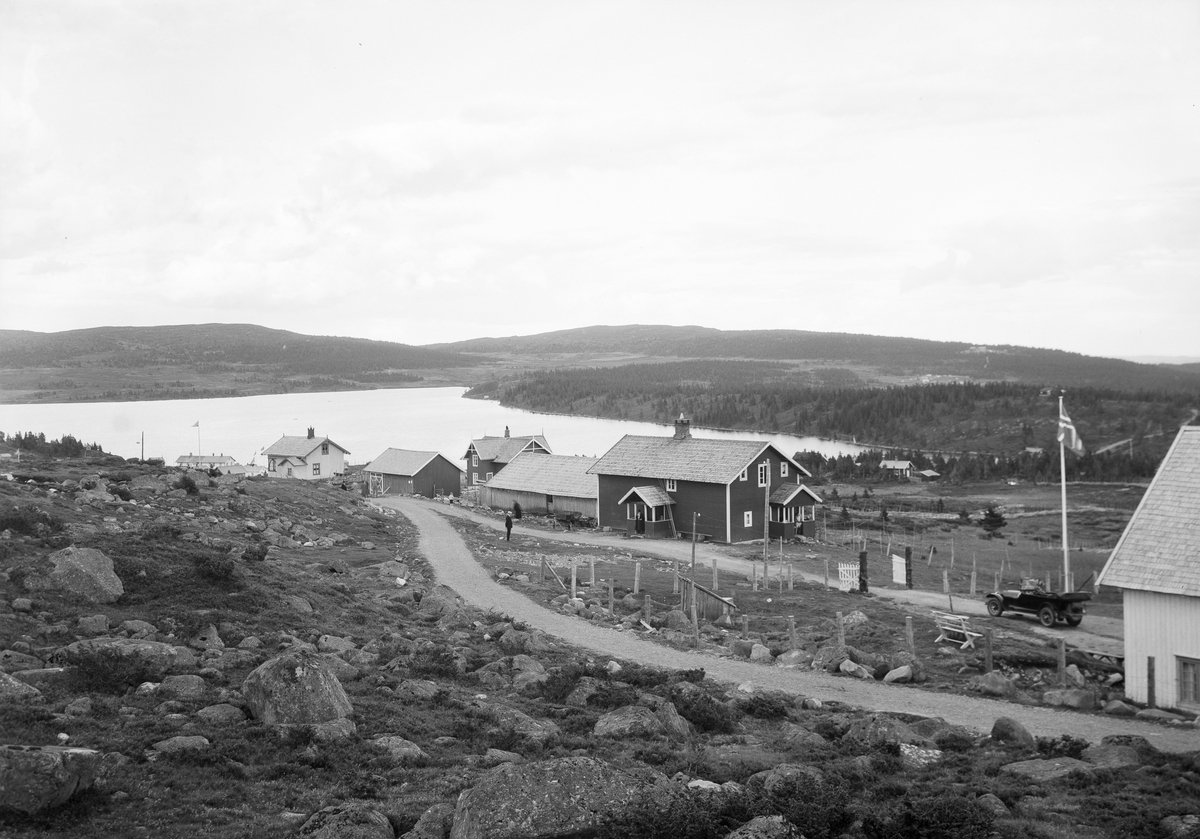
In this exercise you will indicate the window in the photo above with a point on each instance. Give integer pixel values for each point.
(474, 477)
(489, 476)
(324, 448)
(474, 460)
(783, 468)
(763, 474)
(316, 469)
(289, 472)
(748, 518)
(1189, 682)
(270, 464)
(744, 475)
(671, 485)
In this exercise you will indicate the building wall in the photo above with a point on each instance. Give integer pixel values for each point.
(706, 499)
(535, 502)
(481, 470)
(747, 495)
(438, 477)
(1164, 626)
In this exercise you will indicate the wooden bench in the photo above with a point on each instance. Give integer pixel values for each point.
(956, 629)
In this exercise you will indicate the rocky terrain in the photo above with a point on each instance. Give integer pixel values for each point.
(189, 656)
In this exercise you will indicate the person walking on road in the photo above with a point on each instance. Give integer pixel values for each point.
(507, 527)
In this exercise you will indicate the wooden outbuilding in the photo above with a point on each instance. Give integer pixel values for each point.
(1156, 564)
(407, 472)
(654, 485)
(549, 484)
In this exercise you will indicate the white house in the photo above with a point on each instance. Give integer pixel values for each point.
(206, 461)
(1156, 564)
(309, 458)
(899, 468)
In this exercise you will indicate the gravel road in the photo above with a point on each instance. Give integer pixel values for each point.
(454, 566)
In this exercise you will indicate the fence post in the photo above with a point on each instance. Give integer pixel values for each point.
(791, 585)
(908, 567)
(972, 583)
(908, 635)
(826, 572)
(542, 570)
(647, 608)
(592, 569)
(1150, 682)
(675, 578)
(945, 581)
(1062, 662)
(745, 627)
(792, 630)
(1049, 581)
(987, 649)
(574, 575)
(612, 598)
(862, 571)
(997, 575)
(754, 576)
(714, 564)
(695, 618)
(841, 630)
(637, 576)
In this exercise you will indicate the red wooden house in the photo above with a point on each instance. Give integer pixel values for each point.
(488, 455)
(654, 485)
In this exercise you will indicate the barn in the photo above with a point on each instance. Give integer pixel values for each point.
(406, 472)
(1156, 564)
(659, 486)
(548, 484)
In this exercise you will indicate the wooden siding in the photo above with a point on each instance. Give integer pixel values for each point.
(535, 502)
(747, 495)
(1164, 626)
(438, 477)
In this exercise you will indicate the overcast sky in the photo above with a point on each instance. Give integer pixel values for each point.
(1006, 173)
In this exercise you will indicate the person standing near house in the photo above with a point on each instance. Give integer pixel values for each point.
(507, 527)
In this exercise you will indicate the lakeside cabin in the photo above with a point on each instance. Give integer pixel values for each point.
(309, 458)
(652, 486)
(486, 456)
(1156, 564)
(408, 472)
(547, 484)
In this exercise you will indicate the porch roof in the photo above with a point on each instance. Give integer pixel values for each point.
(651, 496)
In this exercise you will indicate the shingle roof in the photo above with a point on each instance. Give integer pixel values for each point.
(504, 449)
(690, 459)
(896, 464)
(199, 458)
(786, 492)
(402, 462)
(1160, 548)
(297, 446)
(551, 474)
(652, 496)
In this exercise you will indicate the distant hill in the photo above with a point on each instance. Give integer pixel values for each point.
(888, 357)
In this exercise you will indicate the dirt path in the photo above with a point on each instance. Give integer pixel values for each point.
(454, 566)
(1098, 634)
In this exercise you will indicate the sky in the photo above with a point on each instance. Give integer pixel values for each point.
(991, 172)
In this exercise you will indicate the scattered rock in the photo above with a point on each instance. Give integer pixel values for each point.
(994, 684)
(36, 778)
(794, 660)
(94, 624)
(764, 827)
(1047, 769)
(12, 661)
(435, 823)
(182, 743)
(1084, 700)
(222, 714)
(761, 653)
(994, 805)
(404, 752)
(849, 668)
(83, 571)
(1008, 730)
(567, 796)
(1112, 756)
(184, 687)
(1117, 708)
(207, 639)
(158, 658)
(11, 688)
(417, 689)
(633, 721)
(347, 821)
(295, 688)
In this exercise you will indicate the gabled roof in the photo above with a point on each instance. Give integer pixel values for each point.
(403, 462)
(896, 464)
(690, 459)
(505, 449)
(651, 496)
(550, 474)
(786, 492)
(1160, 548)
(298, 446)
(200, 458)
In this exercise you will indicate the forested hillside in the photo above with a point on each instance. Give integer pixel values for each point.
(994, 417)
(884, 357)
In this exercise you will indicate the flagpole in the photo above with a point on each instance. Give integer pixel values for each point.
(1062, 466)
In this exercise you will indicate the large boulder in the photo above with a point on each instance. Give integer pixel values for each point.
(1008, 730)
(1044, 770)
(765, 827)
(537, 732)
(631, 721)
(347, 821)
(568, 796)
(435, 823)
(11, 688)
(85, 572)
(295, 688)
(35, 778)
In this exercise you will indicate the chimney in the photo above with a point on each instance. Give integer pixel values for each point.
(506, 431)
(683, 428)
(311, 432)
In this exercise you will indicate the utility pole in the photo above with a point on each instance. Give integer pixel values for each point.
(766, 467)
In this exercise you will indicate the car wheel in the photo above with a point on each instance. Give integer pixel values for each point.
(1074, 620)
(1047, 616)
(995, 607)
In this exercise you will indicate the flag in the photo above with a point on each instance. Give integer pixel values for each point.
(196, 424)
(1067, 435)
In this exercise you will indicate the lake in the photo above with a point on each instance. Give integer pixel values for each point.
(364, 421)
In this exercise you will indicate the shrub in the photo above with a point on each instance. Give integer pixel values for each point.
(704, 712)
(819, 808)
(218, 568)
(659, 814)
(30, 520)
(107, 671)
(435, 661)
(766, 706)
(121, 492)
(946, 816)
(256, 552)
(1065, 746)
(187, 484)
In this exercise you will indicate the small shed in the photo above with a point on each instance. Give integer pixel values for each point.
(648, 512)
(547, 484)
(407, 472)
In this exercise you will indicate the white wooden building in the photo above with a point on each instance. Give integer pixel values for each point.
(1156, 564)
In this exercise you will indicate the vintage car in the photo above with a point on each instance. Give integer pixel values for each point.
(1050, 607)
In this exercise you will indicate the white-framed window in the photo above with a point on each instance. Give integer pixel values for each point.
(324, 448)
(270, 464)
(672, 486)
(748, 518)
(783, 468)
(489, 476)
(1189, 682)
(289, 471)
(474, 477)
(763, 473)
(316, 469)
(474, 460)
(745, 474)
